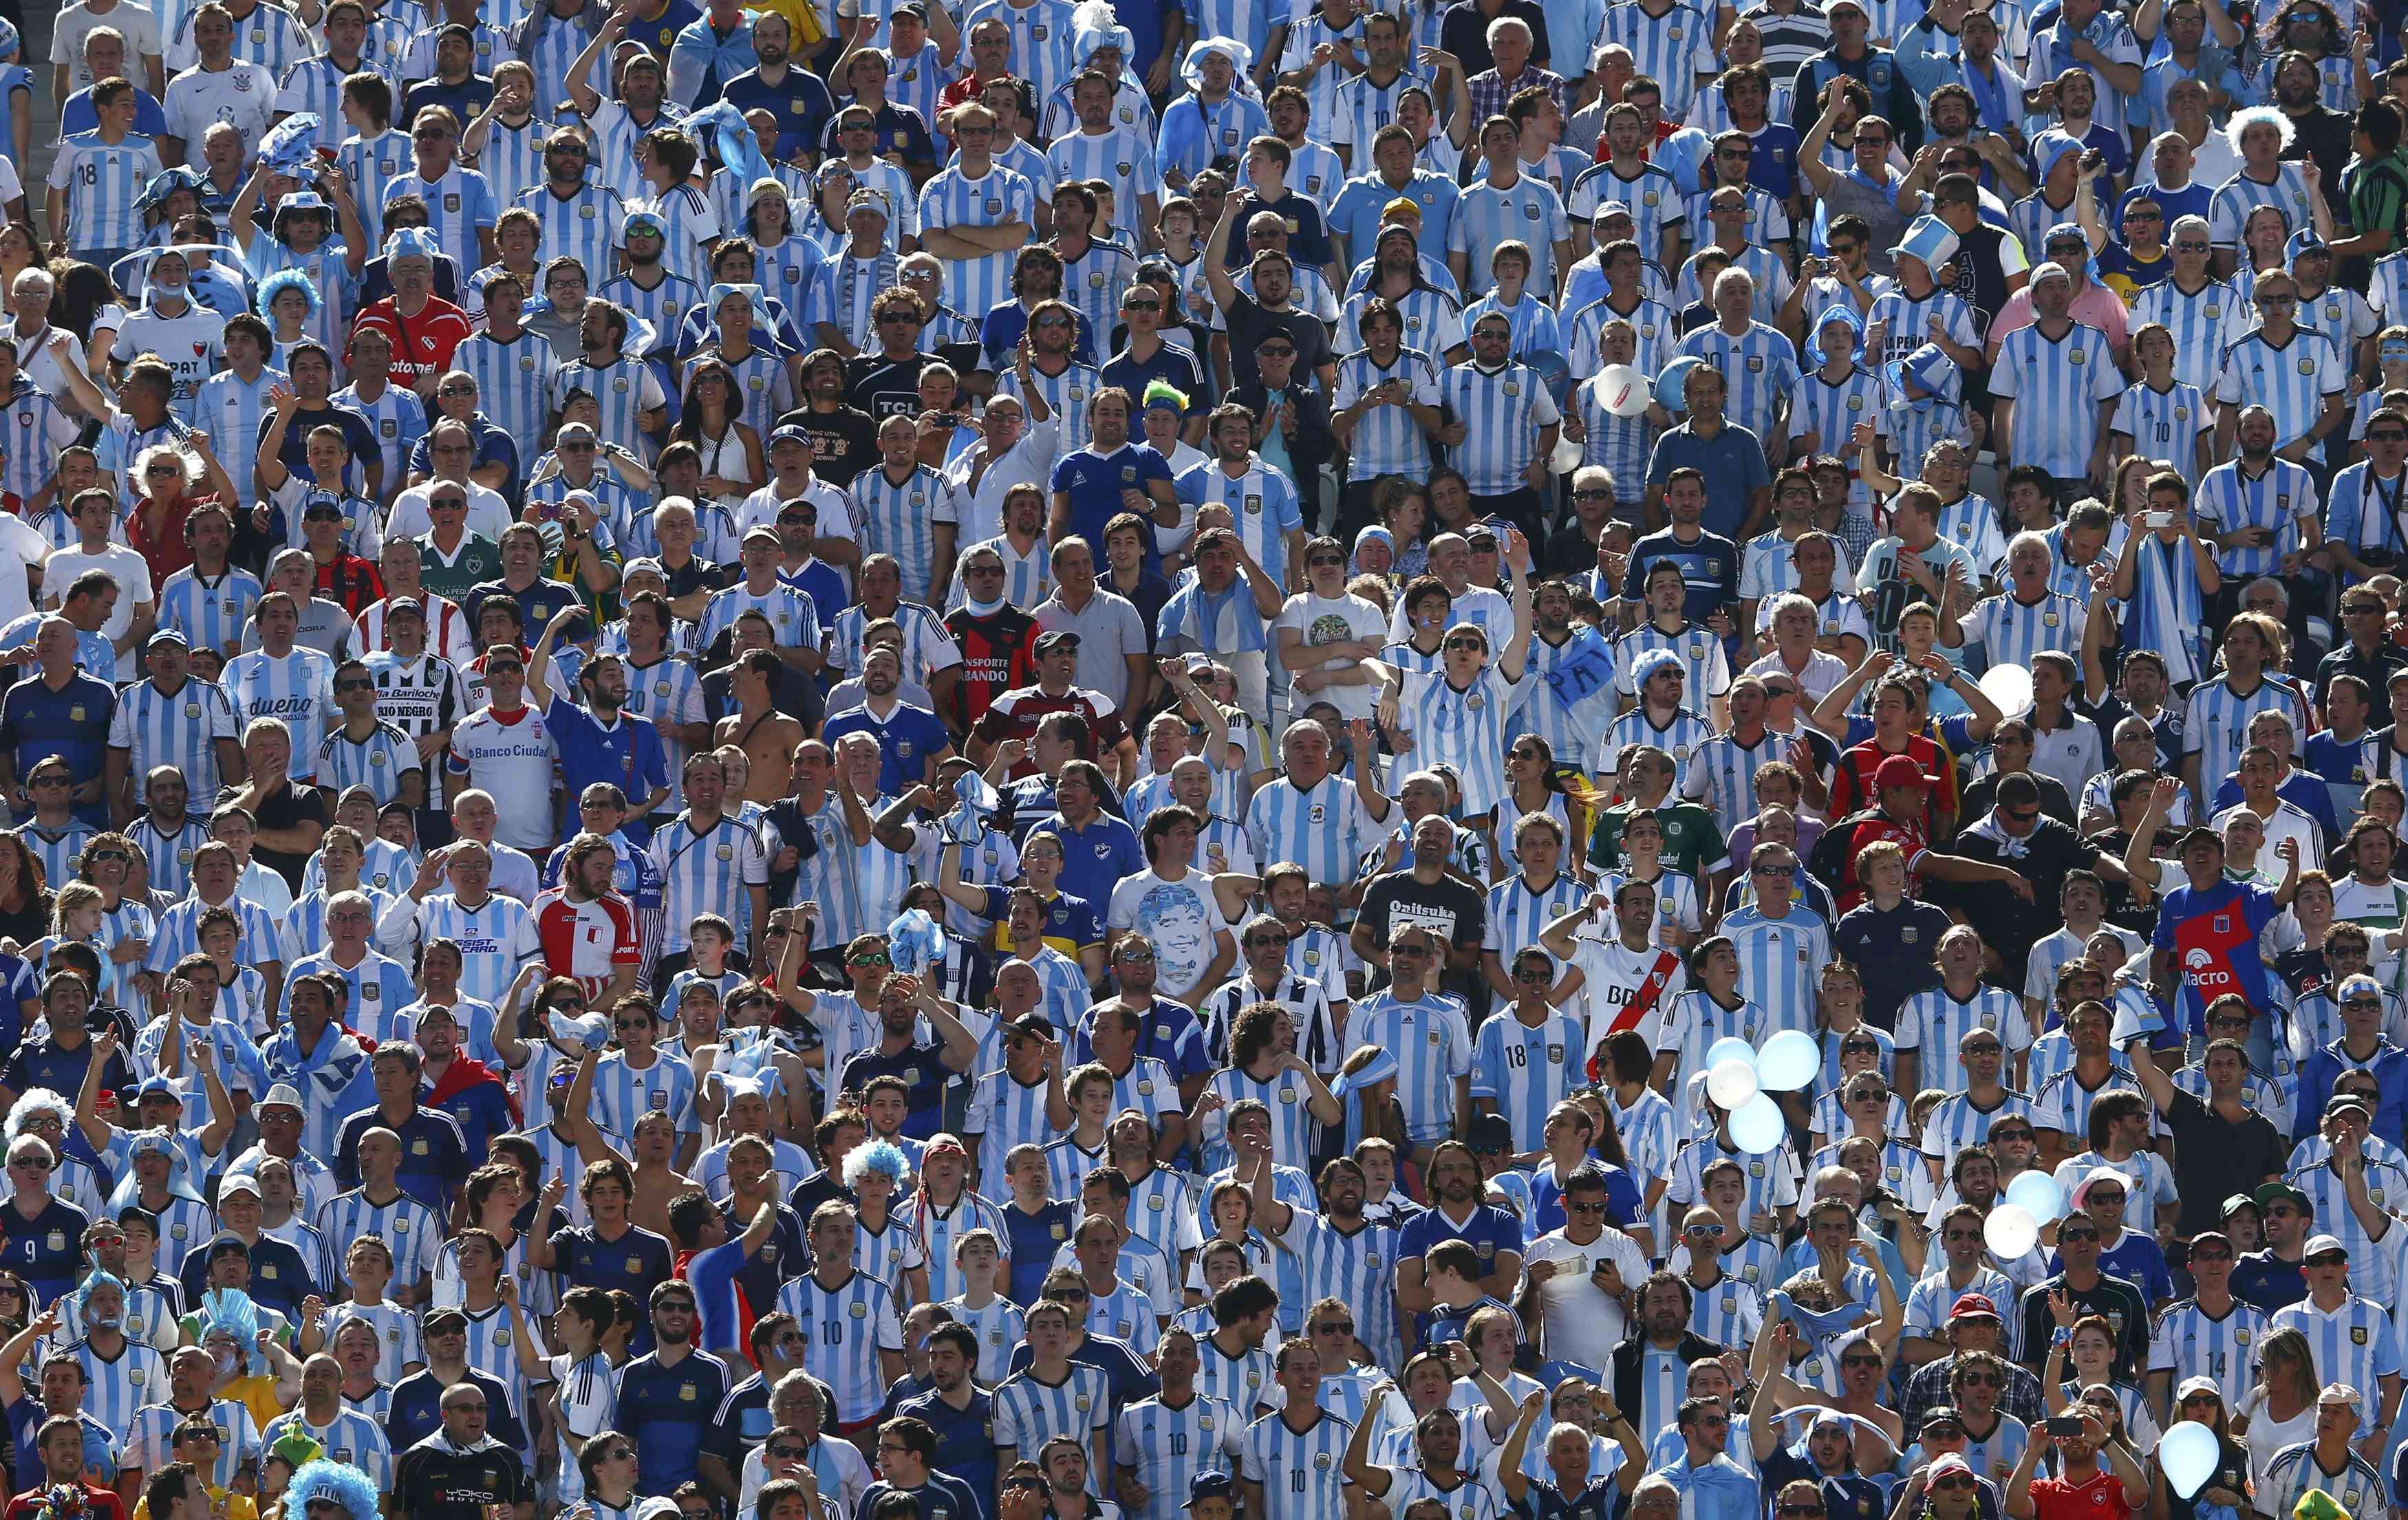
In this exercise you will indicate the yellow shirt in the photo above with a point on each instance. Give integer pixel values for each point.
(224, 1505)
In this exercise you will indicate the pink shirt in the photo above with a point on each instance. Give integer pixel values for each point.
(2094, 306)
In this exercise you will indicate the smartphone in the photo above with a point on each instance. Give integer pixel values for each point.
(546, 511)
(2156, 519)
(2064, 1425)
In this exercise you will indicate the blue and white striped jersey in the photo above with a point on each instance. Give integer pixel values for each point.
(1780, 964)
(1722, 772)
(351, 1436)
(1506, 410)
(1168, 1446)
(514, 379)
(1933, 1023)
(181, 730)
(2165, 424)
(2215, 721)
(1525, 1069)
(1463, 728)
(2294, 1470)
(1386, 440)
(297, 688)
(103, 183)
(900, 518)
(458, 205)
(149, 1437)
(398, 419)
(2056, 386)
(1517, 911)
(117, 1387)
(230, 410)
(2012, 632)
(408, 1228)
(2278, 500)
(1303, 1470)
(623, 1094)
(377, 761)
(584, 226)
(1432, 1040)
(1527, 211)
(707, 872)
(2293, 381)
(1761, 366)
(2229, 207)
(1324, 828)
(954, 199)
(1956, 1123)
(2203, 323)
(1675, 49)
(1028, 1412)
(846, 1327)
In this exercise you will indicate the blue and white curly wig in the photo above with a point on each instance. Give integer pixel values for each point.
(280, 282)
(881, 1156)
(39, 1100)
(339, 1482)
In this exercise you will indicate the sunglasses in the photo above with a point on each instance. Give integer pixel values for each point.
(1953, 1484)
(1474, 644)
(874, 957)
(2064, 1235)
(1266, 942)
(355, 684)
(1334, 1327)
(1281, 352)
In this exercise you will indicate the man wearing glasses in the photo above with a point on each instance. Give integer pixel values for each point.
(423, 1401)
(2090, 1291)
(462, 1472)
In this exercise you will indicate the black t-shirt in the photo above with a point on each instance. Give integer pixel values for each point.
(2009, 924)
(2214, 1158)
(431, 1482)
(288, 806)
(845, 441)
(2119, 1300)
(1249, 323)
(1450, 907)
(881, 388)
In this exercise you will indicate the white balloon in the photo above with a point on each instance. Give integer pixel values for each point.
(1757, 1124)
(2037, 1194)
(2010, 1231)
(1788, 1061)
(2008, 689)
(1730, 1047)
(1626, 392)
(2190, 1454)
(1731, 1084)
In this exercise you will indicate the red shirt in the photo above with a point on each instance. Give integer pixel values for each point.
(102, 1503)
(2100, 1496)
(1908, 837)
(422, 344)
(588, 940)
(1852, 785)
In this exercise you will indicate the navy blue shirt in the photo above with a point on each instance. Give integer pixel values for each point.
(907, 738)
(72, 723)
(1035, 1238)
(634, 1262)
(1709, 564)
(279, 1277)
(1098, 857)
(1733, 462)
(356, 431)
(1093, 482)
(629, 756)
(416, 1410)
(800, 102)
(46, 1063)
(1172, 365)
(1491, 1231)
(943, 1496)
(47, 1250)
(921, 1069)
(434, 1156)
(741, 1423)
(482, 1111)
(1892, 951)
(1128, 1377)
(965, 1441)
(665, 1408)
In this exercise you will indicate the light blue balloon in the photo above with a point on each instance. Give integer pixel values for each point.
(1757, 1126)
(2038, 1194)
(1788, 1061)
(2190, 1454)
(1730, 1047)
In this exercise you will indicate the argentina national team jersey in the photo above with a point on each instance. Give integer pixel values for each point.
(1169, 1444)
(1301, 1469)
(1431, 1041)
(182, 728)
(1386, 440)
(1505, 411)
(1030, 1412)
(583, 226)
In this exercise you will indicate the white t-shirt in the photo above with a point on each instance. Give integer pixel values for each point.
(1324, 619)
(589, 1405)
(1583, 1323)
(131, 572)
(488, 514)
(1183, 920)
(242, 93)
(138, 24)
(20, 549)
(191, 343)
(513, 761)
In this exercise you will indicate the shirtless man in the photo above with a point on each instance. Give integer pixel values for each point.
(653, 1155)
(765, 736)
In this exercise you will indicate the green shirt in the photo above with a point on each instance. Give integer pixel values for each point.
(480, 560)
(2376, 193)
(1693, 841)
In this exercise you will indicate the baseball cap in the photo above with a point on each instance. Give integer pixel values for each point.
(241, 1182)
(167, 635)
(2197, 1385)
(1034, 1025)
(158, 1086)
(1490, 1132)
(2324, 1245)
(2274, 1192)
(2199, 834)
(1949, 1464)
(793, 433)
(1211, 1486)
(2338, 1393)
(1899, 771)
(1943, 1414)
(1049, 642)
(1974, 1306)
